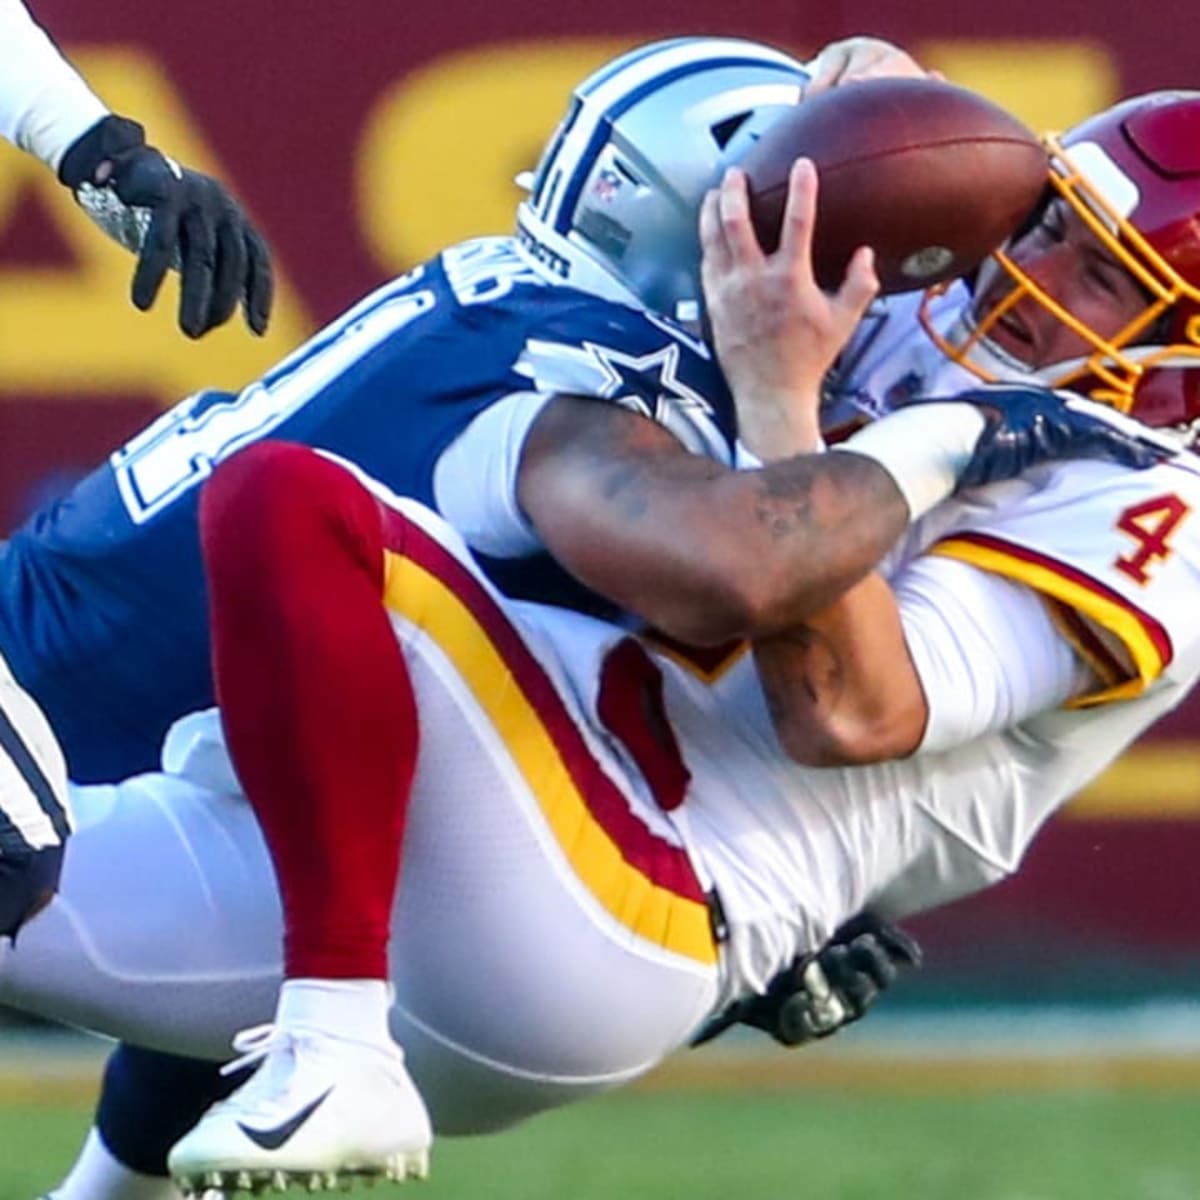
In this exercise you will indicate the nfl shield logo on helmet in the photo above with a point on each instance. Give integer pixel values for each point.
(607, 185)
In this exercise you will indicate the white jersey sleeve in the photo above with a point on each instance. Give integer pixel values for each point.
(475, 480)
(1115, 553)
(44, 104)
(986, 650)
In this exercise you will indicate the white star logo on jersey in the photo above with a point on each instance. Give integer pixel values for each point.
(648, 384)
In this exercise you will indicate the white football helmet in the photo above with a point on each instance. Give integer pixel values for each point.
(615, 199)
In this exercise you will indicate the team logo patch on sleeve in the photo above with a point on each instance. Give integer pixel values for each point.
(648, 384)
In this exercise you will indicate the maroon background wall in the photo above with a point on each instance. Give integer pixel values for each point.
(364, 135)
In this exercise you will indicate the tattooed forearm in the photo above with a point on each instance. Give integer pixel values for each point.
(626, 487)
(842, 687)
(819, 495)
(804, 657)
(704, 552)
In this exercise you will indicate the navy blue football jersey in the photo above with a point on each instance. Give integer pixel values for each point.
(102, 602)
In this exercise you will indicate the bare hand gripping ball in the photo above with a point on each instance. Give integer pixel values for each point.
(933, 176)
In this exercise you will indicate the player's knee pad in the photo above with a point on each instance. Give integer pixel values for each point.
(28, 882)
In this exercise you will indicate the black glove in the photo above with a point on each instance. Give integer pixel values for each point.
(187, 220)
(1027, 425)
(820, 993)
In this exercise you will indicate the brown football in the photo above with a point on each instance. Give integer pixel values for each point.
(932, 176)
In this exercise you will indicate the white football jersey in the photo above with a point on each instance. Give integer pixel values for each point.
(795, 851)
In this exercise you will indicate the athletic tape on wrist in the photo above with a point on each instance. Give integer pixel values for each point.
(924, 448)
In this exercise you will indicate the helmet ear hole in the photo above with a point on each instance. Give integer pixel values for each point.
(723, 131)
(623, 168)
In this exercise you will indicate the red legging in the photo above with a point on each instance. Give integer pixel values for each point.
(315, 696)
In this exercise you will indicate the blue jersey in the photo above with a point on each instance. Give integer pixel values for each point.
(102, 603)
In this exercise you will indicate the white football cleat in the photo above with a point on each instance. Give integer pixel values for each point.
(321, 1111)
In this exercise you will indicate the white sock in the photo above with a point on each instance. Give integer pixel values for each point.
(97, 1175)
(349, 1008)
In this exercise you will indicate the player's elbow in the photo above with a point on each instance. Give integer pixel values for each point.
(714, 606)
(851, 737)
(756, 595)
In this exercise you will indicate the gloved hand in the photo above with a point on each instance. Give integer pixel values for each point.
(171, 217)
(820, 993)
(1027, 425)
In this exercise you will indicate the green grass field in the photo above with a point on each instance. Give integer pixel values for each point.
(727, 1143)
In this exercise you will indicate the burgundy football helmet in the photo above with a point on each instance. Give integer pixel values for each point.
(1132, 173)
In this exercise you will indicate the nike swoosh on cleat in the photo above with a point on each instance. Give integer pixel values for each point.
(272, 1139)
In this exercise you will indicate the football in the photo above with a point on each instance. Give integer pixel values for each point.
(931, 175)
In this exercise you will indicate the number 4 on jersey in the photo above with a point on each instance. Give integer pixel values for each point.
(1151, 524)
